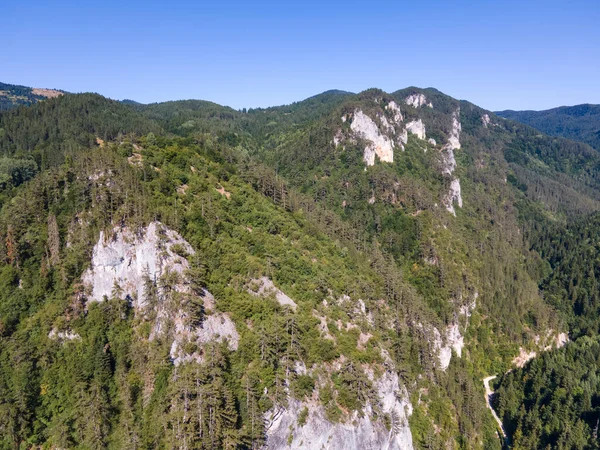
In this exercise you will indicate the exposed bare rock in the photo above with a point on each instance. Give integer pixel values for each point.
(377, 143)
(561, 339)
(363, 339)
(417, 100)
(448, 160)
(126, 262)
(453, 196)
(323, 328)
(386, 125)
(523, 357)
(125, 258)
(135, 160)
(214, 327)
(467, 309)
(442, 345)
(455, 340)
(417, 128)
(485, 119)
(360, 432)
(264, 287)
(395, 109)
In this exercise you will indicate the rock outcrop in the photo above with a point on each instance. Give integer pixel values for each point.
(417, 128)
(127, 263)
(417, 100)
(377, 143)
(395, 109)
(449, 165)
(485, 119)
(361, 432)
(264, 287)
(453, 196)
(124, 260)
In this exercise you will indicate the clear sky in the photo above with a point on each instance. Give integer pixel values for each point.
(499, 54)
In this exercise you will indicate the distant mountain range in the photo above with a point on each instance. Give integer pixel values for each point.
(580, 122)
(12, 95)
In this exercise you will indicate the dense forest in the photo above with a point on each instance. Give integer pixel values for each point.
(12, 95)
(377, 273)
(553, 401)
(580, 122)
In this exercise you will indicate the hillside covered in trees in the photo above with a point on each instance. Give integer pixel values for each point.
(12, 95)
(580, 122)
(348, 262)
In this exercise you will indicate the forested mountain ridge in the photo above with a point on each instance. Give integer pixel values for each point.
(12, 95)
(341, 271)
(580, 122)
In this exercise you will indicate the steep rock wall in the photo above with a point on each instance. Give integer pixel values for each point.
(284, 431)
(377, 143)
(126, 261)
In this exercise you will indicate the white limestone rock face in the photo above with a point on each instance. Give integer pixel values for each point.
(561, 339)
(485, 119)
(215, 326)
(449, 165)
(386, 125)
(443, 345)
(455, 340)
(377, 143)
(466, 310)
(417, 128)
(395, 109)
(448, 160)
(453, 196)
(129, 259)
(357, 434)
(264, 287)
(125, 257)
(417, 100)
(454, 139)
(403, 138)
(443, 351)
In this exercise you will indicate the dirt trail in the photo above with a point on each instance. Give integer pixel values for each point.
(488, 396)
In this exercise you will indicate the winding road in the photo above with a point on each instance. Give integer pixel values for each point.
(488, 396)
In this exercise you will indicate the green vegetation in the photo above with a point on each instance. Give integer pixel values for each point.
(553, 401)
(370, 256)
(12, 96)
(579, 123)
(62, 127)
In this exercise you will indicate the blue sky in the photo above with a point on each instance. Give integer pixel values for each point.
(526, 54)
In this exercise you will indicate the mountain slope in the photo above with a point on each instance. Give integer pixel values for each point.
(61, 126)
(125, 355)
(12, 95)
(342, 271)
(580, 123)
